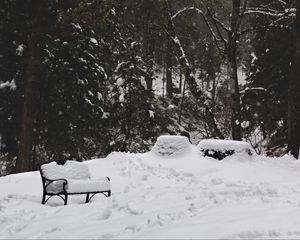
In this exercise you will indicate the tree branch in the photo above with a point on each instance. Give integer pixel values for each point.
(199, 11)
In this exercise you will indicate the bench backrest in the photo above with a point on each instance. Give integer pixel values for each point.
(70, 170)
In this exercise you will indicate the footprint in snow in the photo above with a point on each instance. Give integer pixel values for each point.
(190, 196)
(216, 181)
(144, 178)
(107, 236)
(174, 172)
(126, 189)
(133, 211)
(2, 209)
(52, 230)
(131, 229)
(187, 174)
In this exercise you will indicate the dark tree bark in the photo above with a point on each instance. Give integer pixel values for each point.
(38, 18)
(294, 92)
(149, 81)
(169, 83)
(234, 90)
(180, 81)
(232, 68)
(29, 107)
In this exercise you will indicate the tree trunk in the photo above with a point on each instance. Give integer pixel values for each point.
(169, 82)
(180, 81)
(182, 99)
(148, 80)
(29, 107)
(294, 92)
(234, 93)
(232, 69)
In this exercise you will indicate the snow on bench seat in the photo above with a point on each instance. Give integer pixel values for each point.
(81, 186)
(171, 145)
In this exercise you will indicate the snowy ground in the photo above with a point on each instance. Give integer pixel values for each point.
(187, 196)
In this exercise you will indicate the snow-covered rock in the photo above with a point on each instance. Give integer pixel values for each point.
(171, 145)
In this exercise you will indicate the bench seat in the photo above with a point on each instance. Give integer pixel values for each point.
(83, 186)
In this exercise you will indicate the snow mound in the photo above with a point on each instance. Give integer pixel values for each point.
(170, 145)
(219, 148)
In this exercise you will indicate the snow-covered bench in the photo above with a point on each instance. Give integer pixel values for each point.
(69, 179)
(220, 148)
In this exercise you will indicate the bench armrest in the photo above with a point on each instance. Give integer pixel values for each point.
(50, 181)
(53, 180)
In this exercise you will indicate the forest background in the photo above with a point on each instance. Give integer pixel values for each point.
(83, 78)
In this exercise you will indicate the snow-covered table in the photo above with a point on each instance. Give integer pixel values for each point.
(69, 179)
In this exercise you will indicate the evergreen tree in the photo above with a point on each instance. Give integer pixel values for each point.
(264, 98)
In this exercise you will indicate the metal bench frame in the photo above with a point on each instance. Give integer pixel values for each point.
(64, 194)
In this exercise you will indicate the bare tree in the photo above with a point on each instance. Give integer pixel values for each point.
(189, 78)
(226, 35)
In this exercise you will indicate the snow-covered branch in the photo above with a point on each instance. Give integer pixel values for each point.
(187, 9)
(210, 28)
(271, 13)
(274, 23)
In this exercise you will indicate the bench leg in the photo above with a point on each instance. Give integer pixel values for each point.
(108, 193)
(66, 199)
(44, 198)
(87, 198)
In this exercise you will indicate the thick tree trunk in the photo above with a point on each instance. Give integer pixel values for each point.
(232, 69)
(294, 92)
(29, 107)
(235, 94)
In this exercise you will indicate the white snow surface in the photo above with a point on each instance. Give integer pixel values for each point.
(153, 197)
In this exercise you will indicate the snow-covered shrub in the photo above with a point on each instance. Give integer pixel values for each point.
(220, 149)
(171, 145)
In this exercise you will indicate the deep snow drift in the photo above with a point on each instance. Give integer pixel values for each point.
(184, 196)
